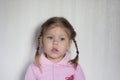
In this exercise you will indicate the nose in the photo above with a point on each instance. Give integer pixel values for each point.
(55, 42)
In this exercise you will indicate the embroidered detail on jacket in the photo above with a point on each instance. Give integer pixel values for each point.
(70, 78)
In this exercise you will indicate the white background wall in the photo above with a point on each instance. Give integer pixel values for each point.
(97, 23)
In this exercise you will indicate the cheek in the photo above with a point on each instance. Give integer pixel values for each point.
(46, 45)
(46, 48)
(65, 47)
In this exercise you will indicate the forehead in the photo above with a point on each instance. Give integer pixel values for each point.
(57, 30)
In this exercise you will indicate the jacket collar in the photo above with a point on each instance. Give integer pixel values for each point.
(44, 60)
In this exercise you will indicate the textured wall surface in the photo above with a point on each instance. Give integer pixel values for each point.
(97, 23)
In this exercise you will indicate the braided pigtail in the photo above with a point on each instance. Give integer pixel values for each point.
(75, 60)
(37, 54)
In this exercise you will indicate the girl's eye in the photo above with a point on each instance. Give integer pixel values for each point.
(49, 37)
(62, 39)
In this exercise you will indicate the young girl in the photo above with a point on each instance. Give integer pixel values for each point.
(51, 59)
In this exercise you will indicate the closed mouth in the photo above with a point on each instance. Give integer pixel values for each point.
(54, 50)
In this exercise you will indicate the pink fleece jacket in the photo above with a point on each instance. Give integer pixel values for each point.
(54, 71)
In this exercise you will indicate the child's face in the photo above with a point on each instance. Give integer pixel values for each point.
(56, 42)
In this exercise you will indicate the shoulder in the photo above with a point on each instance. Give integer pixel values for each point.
(78, 68)
(79, 74)
(32, 69)
(32, 66)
